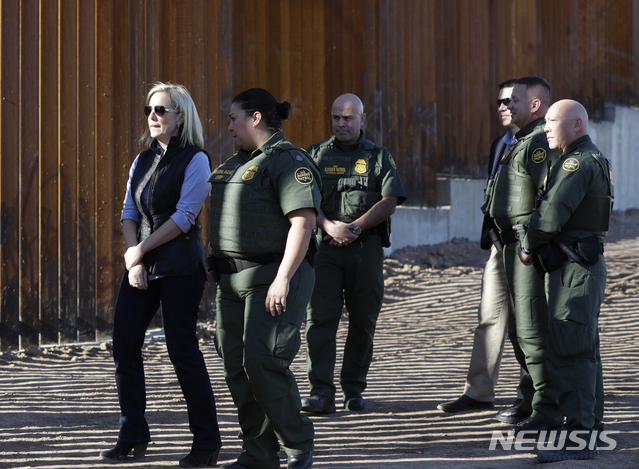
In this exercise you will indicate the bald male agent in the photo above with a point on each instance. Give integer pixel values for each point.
(565, 239)
(361, 189)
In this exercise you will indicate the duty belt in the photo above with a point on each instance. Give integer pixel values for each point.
(575, 248)
(361, 238)
(508, 237)
(232, 265)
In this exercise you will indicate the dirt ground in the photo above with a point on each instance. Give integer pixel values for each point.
(58, 406)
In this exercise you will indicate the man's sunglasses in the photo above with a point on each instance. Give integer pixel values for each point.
(159, 110)
(505, 102)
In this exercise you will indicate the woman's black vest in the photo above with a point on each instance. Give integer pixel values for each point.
(183, 254)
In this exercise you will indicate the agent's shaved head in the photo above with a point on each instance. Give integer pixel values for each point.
(566, 121)
(352, 99)
(348, 118)
(569, 109)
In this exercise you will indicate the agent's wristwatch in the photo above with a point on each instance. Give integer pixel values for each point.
(357, 230)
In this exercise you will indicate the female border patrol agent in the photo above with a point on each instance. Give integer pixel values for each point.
(264, 203)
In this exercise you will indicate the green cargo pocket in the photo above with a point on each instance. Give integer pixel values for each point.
(288, 341)
(283, 342)
(571, 338)
(569, 295)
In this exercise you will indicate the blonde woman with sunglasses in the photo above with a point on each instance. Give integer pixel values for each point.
(164, 268)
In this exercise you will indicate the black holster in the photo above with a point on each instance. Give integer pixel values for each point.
(384, 230)
(313, 250)
(493, 234)
(589, 249)
(549, 257)
(211, 269)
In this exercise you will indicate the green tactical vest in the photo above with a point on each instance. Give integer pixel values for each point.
(246, 218)
(593, 213)
(512, 196)
(352, 181)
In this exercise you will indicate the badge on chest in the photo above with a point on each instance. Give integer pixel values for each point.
(340, 166)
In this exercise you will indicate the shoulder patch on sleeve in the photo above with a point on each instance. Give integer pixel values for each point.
(303, 176)
(571, 164)
(392, 161)
(539, 155)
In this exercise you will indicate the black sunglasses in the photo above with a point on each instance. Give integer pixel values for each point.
(159, 110)
(505, 102)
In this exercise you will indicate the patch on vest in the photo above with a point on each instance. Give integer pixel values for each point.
(250, 173)
(539, 155)
(571, 164)
(360, 166)
(303, 176)
(392, 161)
(335, 170)
(223, 172)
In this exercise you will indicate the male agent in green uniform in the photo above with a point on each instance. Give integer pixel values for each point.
(361, 190)
(510, 201)
(572, 220)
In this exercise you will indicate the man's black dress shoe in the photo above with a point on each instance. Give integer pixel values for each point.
(464, 403)
(200, 458)
(514, 414)
(317, 403)
(354, 401)
(533, 424)
(300, 461)
(122, 449)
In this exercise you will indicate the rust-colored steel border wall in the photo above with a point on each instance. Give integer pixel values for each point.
(74, 74)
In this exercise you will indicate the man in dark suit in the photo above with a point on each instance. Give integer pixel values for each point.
(488, 344)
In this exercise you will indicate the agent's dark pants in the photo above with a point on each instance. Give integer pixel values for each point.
(353, 276)
(257, 350)
(575, 294)
(179, 297)
(528, 332)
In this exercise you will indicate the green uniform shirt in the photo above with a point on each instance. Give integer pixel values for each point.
(578, 199)
(251, 194)
(355, 177)
(523, 173)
